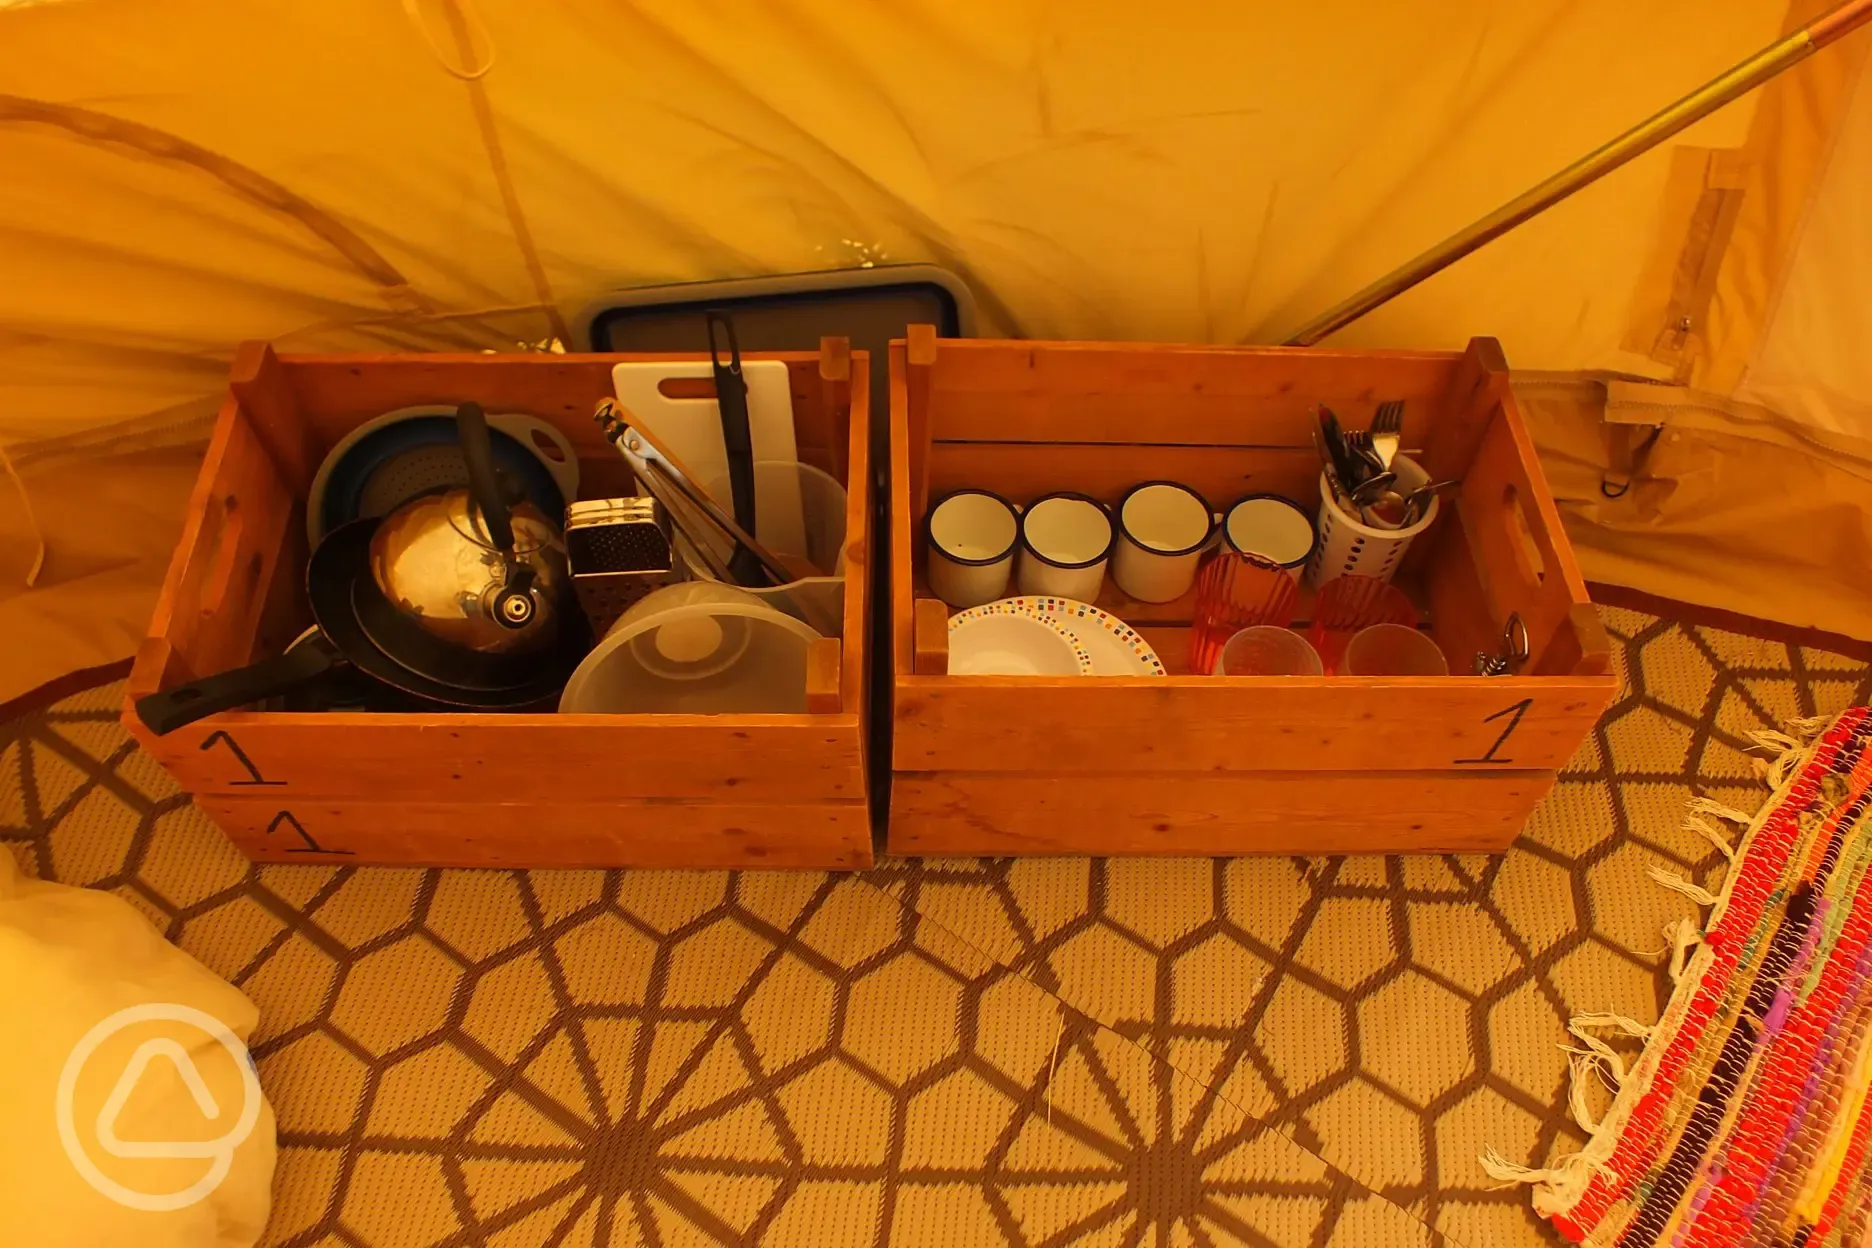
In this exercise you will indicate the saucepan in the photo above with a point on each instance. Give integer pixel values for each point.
(458, 598)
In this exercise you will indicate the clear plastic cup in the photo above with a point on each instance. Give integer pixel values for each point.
(1268, 650)
(1393, 650)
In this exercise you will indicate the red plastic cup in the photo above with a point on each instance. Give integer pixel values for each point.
(1350, 603)
(1233, 592)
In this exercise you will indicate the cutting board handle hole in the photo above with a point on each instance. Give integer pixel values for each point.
(687, 387)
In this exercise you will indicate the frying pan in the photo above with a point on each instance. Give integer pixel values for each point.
(340, 590)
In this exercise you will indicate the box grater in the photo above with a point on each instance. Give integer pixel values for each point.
(619, 550)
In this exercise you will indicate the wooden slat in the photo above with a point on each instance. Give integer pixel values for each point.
(226, 562)
(861, 540)
(462, 758)
(932, 637)
(1201, 724)
(338, 392)
(259, 381)
(1580, 647)
(919, 370)
(835, 401)
(1221, 474)
(1477, 387)
(902, 549)
(824, 658)
(1461, 619)
(1541, 584)
(995, 814)
(833, 836)
(1137, 392)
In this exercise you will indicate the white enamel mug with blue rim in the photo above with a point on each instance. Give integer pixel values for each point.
(1066, 540)
(972, 535)
(1276, 528)
(1163, 529)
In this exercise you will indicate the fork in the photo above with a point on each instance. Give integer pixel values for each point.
(1387, 430)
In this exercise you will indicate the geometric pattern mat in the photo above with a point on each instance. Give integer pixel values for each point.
(1269, 1051)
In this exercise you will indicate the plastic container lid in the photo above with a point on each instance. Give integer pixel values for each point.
(697, 648)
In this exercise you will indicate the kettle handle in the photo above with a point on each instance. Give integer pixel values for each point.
(471, 426)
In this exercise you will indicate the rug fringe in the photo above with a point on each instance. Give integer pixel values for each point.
(1568, 1175)
(1712, 834)
(1559, 1187)
(1619, 1022)
(1808, 727)
(1682, 934)
(1678, 884)
(1710, 806)
(1577, 1104)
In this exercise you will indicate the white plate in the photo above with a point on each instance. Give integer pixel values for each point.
(1006, 639)
(1115, 647)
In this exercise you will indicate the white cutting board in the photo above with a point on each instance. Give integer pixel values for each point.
(691, 430)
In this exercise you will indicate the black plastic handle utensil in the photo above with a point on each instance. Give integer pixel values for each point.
(737, 437)
(164, 712)
(478, 449)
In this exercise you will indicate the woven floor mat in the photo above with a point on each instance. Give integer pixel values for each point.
(1028, 1052)
(1397, 1015)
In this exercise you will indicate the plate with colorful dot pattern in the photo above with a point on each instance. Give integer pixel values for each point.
(1116, 648)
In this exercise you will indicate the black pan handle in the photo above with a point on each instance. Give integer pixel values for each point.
(478, 449)
(164, 712)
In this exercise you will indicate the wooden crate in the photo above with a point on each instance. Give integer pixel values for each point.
(991, 765)
(509, 790)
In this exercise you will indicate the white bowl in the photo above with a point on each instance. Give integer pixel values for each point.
(989, 642)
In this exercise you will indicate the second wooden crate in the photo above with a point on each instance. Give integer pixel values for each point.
(1191, 764)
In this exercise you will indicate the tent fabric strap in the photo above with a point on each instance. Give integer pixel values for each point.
(1626, 449)
(32, 517)
(464, 25)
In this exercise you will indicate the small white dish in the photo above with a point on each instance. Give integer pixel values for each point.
(1004, 639)
(1116, 648)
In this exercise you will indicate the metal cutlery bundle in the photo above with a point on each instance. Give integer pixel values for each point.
(1359, 468)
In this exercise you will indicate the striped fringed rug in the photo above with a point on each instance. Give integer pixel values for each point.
(1743, 1122)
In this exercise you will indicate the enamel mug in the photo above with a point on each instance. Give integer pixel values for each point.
(1163, 529)
(1066, 540)
(972, 535)
(1278, 529)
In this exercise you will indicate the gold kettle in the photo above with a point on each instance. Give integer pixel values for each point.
(471, 568)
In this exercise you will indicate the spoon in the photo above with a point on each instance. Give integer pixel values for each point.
(1372, 487)
(1389, 510)
(1418, 500)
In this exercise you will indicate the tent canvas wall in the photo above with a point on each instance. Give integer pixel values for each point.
(180, 175)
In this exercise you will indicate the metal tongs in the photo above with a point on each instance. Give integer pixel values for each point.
(683, 501)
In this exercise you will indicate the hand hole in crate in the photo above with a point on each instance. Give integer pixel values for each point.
(1527, 553)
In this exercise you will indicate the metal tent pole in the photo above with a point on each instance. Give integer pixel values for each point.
(1647, 134)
